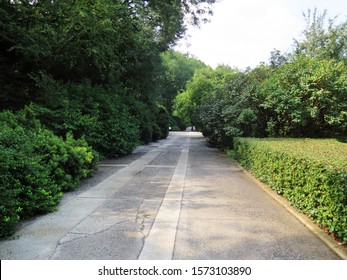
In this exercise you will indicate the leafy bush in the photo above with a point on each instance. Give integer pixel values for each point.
(162, 121)
(312, 174)
(68, 161)
(307, 98)
(10, 185)
(35, 167)
(153, 121)
(156, 135)
(27, 187)
(146, 133)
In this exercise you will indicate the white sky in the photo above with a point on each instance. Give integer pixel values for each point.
(243, 32)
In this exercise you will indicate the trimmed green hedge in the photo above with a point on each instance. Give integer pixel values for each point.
(310, 173)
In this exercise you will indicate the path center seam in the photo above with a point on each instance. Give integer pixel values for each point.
(159, 244)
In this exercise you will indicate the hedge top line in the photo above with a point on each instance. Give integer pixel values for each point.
(329, 152)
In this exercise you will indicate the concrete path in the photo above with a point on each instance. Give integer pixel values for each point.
(174, 199)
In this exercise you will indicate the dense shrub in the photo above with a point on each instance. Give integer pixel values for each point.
(10, 186)
(156, 135)
(162, 121)
(68, 161)
(146, 133)
(35, 167)
(144, 116)
(27, 187)
(312, 174)
(97, 113)
(153, 121)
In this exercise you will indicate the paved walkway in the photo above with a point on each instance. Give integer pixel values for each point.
(174, 199)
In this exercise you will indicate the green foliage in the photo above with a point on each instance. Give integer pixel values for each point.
(153, 121)
(205, 85)
(167, 16)
(307, 98)
(162, 121)
(104, 41)
(28, 187)
(58, 55)
(35, 167)
(13, 159)
(241, 113)
(321, 39)
(224, 103)
(183, 107)
(178, 69)
(144, 115)
(97, 113)
(310, 173)
(156, 133)
(69, 161)
(71, 41)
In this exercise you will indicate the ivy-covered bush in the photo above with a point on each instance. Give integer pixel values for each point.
(35, 167)
(311, 174)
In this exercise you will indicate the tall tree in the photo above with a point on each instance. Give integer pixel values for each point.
(307, 97)
(177, 70)
(169, 17)
(322, 37)
(105, 41)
